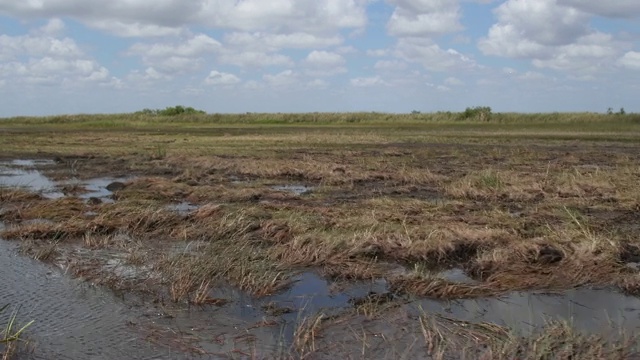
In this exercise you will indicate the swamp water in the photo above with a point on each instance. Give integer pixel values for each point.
(74, 320)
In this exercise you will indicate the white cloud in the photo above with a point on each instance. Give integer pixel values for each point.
(431, 56)
(377, 52)
(453, 81)
(630, 60)
(424, 17)
(43, 58)
(12, 47)
(550, 35)
(53, 27)
(195, 46)
(531, 75)
(285, 16)
(54, 71)
(285, 78)
(318, 84)
(273, 42)
(135, 29)
(616, 9)
(367, 81)
(149, 75)
(390, 65)
(254, 59)
(324, 59)
(324, 63)
(138, 18)
(588, 54)
(176, 57)
(221, 78)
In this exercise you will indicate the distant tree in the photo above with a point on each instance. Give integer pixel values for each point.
(610, 111)
(482, 113)
(622, 112)
(171, 111)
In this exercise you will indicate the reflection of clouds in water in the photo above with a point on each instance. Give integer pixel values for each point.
(588, 310)
(71, 320)
(30, 179)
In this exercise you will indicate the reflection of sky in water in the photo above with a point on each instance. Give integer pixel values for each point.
(296, 189)
(588, 310)
(30, 179)
(98, 187)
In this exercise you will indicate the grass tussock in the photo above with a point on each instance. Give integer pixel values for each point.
(445, 337)
(11, 334)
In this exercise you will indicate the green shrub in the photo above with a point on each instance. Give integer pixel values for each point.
(171, 111)
(481, 113)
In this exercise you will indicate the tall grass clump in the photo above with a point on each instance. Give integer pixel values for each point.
(11, 334)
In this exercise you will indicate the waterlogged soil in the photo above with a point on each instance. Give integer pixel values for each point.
(71, 319)
(78, 320)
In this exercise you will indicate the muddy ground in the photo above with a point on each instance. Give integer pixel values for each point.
(476, 249)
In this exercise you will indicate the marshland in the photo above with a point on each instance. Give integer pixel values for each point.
(349, 235)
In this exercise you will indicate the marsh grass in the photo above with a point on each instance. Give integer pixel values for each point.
(556, 340)
(11, 335)
(519, 202)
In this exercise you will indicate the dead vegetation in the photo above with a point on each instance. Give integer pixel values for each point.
(552, 216)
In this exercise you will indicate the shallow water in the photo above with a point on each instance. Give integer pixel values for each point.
(95, 188)
(72, 320)
(295, 189)
(76, 321)
(588, 310)
(182, 208)
(20, 173)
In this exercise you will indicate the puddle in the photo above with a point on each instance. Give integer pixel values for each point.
(30, 179)
(71, 320)
(97, 188)
(296, 189)
(182, 208)
(456, 275)
(32, 162)
(592, 311)
(22, 173)
(265, 325)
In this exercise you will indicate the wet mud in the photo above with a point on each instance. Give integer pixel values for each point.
(76, 320)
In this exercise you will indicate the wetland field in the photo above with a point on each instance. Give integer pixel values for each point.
(320, 236)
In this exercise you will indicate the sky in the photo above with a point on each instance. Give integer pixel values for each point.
(234, 56)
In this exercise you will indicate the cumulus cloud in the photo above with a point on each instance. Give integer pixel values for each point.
(195, 46)
(313, 16)
(54, 71)
(273, 42)
(424, 17)
(43, 41)
(453, 81)
(377, 52)
(324, 63)
(431, 56)
(367, 81)
(615, 9)
(390, 65)
(550, 34)
(135, 29)
(176, 57)
(318, 84)
(137, 18)
(44, 58)
(285, 78)
(221, 78)
(630, 60)
(149, 75)
(254, 59)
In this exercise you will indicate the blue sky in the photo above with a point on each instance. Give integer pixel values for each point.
(74, 56)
